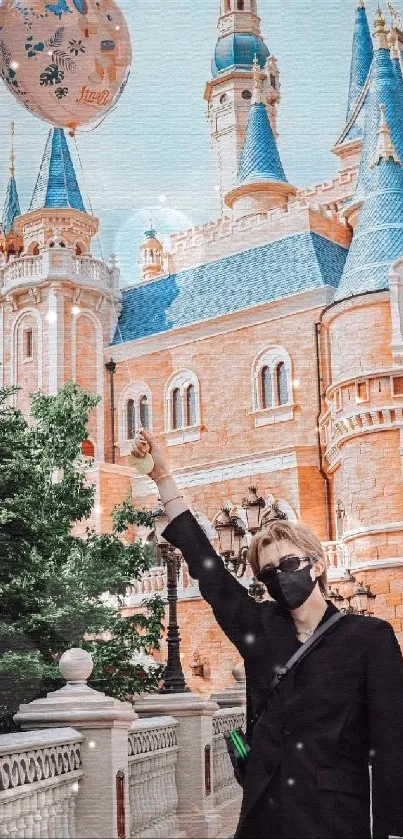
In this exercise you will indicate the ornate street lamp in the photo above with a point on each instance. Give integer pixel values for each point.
(231, 530)
(174, 679)
(361, 599)
(253, 506)
(336, 596)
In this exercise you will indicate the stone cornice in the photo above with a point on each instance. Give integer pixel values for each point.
(276, 310)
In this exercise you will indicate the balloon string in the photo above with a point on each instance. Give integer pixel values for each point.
(88, 195)
(117, 326)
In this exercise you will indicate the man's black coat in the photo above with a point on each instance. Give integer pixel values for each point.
(338, 711)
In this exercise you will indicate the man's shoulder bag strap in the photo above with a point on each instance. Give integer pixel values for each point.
(304, 650)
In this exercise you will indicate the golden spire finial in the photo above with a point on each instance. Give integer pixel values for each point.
(380, 32)
(257, 83)
(385, 149)
(12, 156)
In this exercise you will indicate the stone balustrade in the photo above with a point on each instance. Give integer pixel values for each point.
(226, 787)
(40, 774)
(154, 580)
(153, 796)
(57, 263)
(337, 557)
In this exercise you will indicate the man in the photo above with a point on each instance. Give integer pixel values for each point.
(340, 710)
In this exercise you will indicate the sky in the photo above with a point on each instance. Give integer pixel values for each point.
(152, 156)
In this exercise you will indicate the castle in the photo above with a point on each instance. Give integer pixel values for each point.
(265, 347)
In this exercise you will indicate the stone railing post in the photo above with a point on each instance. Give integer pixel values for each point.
(102, 808)
(197, 813)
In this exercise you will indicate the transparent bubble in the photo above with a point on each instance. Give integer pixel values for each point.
(372, 752)
(299, 746)
(208, 563)
(92, 744)
(74, 786)
(291, 782)
(250, 638)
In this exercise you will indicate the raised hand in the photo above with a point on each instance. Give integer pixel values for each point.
(145, 442)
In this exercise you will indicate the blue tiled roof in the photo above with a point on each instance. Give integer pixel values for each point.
(238, 51)
(385, 89)
(378, 238)
(11, 206)
(361, 58)
(288, 266)
(56, 186)
(260, 160)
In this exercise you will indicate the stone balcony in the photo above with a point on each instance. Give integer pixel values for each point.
(154, 579)
(57, 264)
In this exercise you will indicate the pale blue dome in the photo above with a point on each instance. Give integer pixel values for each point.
(238, 51)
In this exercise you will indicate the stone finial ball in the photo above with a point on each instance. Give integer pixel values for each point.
(238, 672)
(76, 665)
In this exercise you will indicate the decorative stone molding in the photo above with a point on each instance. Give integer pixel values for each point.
(355, 425)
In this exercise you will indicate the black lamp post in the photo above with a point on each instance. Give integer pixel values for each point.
(174, 679)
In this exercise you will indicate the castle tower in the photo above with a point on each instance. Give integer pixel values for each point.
(57, 301)
(151, 251)
(348, 146)
(229, 93)
(262, 183)
(364, 421)
(10, 242)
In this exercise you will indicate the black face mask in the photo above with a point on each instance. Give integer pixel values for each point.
(290, 588)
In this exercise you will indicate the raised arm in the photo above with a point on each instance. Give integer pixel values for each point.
(237, 614)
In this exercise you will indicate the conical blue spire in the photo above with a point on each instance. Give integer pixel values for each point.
(361, 57)
(260, 159)
(57, 186)
(378, 237)
(11, 206)
(385, 88)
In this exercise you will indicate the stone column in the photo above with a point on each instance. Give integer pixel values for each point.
(104, 722)
(197, 814)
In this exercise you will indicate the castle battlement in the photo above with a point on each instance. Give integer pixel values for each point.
(226, 236)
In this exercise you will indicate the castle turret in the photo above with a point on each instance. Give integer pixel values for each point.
(59, 302)
(57, 189)
(262, 183)
(229, 93)
(364, 393)
(348, 146)
(151, 255)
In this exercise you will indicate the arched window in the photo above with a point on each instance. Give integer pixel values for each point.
(131, 419)
(144, 412)
(190, 405)
(240, 5)
(281, 384)
(78, 250)
(266, 387)
(177, 420)
(87, 448)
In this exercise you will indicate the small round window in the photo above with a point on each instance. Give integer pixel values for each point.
(246, 94)
(223, 98)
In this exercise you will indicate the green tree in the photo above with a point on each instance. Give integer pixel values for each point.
(53, 582)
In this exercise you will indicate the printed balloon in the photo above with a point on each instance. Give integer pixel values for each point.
(67, 61)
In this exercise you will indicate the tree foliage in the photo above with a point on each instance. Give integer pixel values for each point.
(59, 589)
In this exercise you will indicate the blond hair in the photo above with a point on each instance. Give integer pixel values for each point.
(300, 536)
